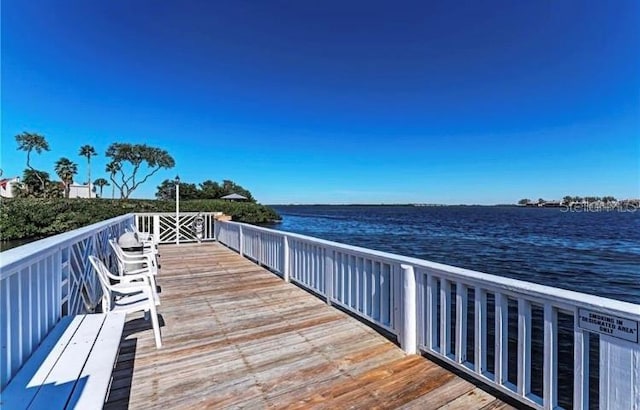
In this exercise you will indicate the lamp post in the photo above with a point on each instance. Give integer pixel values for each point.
(177, 182)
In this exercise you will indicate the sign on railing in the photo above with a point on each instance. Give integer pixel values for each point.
(44, 280)
(532, 342)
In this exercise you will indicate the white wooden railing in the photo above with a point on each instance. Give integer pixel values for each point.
(484, 325)
(44, 280)
(165, 226)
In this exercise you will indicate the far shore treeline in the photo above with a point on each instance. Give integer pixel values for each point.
(568, 199)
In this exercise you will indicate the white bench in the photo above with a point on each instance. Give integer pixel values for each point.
(71, 368)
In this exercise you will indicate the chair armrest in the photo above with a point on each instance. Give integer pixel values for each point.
(140, 257)
(132, 288)
(147, 258)
(143, 271)
(130, 277)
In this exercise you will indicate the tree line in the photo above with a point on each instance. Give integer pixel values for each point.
(130, 166)
(206, 190)
(568, 199)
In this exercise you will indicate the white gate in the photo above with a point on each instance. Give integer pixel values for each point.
(191, 226)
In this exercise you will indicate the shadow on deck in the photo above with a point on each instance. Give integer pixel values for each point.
(237, 336)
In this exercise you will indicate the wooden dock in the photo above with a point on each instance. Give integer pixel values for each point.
(237, 336)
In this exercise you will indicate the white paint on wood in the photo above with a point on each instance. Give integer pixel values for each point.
(60, 382)
(409, 324)
(93, 384)
(328, 275)
(156, 228)
(445, 316)
(461, 322)
(524, 347)
(550, 361)
(480, 334)
(430, 312)
(619, 374)
(26, 383)
(501, 338)
(580, 368)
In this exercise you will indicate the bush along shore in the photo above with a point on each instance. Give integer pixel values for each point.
(25, 218)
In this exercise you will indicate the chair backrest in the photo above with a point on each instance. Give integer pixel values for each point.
(119, 255)
(101, 269)
(143, 236)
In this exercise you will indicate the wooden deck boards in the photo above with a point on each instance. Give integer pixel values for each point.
(237, 336)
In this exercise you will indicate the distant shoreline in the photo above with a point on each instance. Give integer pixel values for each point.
(413, 205)
(632, 204)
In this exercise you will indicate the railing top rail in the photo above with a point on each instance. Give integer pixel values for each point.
(181, 213)
(13, 258)
(534, 290)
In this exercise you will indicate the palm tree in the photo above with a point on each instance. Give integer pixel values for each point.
(112, 168)
(101, 183)
(30, 141)
(88, 151)
(66, 170)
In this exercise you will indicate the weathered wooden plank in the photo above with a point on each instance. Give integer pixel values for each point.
(476, 398)
(238, 336)
(452, 389)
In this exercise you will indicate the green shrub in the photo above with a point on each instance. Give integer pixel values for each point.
(22, 218)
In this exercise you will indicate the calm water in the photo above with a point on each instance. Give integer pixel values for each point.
(597, 252)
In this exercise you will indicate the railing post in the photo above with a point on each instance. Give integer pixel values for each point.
(156, 228)
(286, 271)
(409, 324)
(240, 240)
(177, 211)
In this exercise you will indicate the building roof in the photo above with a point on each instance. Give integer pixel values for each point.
(234, 196)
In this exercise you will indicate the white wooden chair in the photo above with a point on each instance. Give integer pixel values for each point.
(128, 294)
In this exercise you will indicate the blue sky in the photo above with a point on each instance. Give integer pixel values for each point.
(333, 101)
